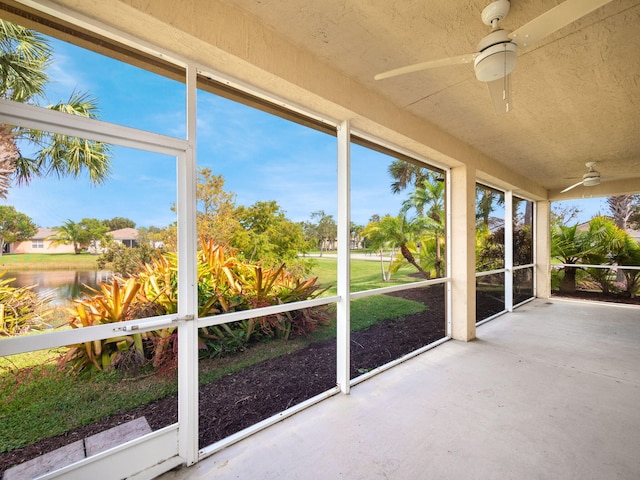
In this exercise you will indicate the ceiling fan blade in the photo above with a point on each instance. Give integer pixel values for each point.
(443, 62)
(572, 186)
(559, 16)
(500, 93)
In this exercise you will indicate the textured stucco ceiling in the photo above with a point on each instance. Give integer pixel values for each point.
(576, 93)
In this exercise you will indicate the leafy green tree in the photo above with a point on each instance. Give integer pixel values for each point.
(14, 226)
(355, 232)
(324, 229)
(95, 231)
(267, 235)
(375, 239)
(25, 56)
(216, 208)
(126, 261)
(71, 232)
(489, 248)
(117, 223)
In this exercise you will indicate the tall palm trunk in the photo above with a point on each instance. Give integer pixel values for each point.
(568, 282)
(438, 257)
(9, 153)
(406, 253)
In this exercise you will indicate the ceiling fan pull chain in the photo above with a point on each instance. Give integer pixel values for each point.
(504, 85)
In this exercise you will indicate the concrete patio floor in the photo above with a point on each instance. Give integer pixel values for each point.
(550, 391)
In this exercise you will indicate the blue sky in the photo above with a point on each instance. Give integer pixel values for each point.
(261, 157)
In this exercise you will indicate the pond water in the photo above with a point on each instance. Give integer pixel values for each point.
(64, 284)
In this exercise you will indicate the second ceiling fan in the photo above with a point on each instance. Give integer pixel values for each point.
(497, 52)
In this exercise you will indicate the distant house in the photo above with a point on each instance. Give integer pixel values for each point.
(41, 242)
(126, 236)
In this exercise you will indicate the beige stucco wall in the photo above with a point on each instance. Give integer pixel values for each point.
(27, 247)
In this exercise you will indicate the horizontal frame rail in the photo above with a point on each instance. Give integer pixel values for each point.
(260, 312)
(43, 341)
(397, 288)
(39, 118)
(491, 272)
(581, 265)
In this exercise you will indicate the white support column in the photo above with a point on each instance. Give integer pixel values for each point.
(463, 258)
(188, 288)
(343, 323)
(508, 250)
(542, 250)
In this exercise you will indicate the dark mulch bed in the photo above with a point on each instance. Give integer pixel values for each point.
(239, 400)
(598, 296)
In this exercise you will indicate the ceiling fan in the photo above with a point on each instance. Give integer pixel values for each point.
(589, 179)
(496, 55)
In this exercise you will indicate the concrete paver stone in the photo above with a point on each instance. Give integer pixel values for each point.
(117, 435)
(48, 462)
(79, 450)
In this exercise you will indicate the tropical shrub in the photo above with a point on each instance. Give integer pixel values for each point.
(603, 243)
(630, 255)
(225, 284)
(20, 307)
(110, 304)
(125, 261)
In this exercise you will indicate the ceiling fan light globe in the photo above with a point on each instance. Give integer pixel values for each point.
(495, 62)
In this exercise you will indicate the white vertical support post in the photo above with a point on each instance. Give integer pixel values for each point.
(542, 250)
(508, 250)
(343, 321)
(187, 288)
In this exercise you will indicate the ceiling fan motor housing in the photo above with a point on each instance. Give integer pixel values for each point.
(591, 179)
(495, 12)
(497, 56)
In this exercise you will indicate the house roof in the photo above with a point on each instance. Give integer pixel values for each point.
(44, 233)
(124, 234)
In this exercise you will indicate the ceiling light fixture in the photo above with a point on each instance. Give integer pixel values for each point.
(497, 57)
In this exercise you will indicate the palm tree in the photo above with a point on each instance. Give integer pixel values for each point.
(569, 245)
(405, 174)
(70, 232)
(621, 208)
(607, 243)
(24, 58)
(429, 196)
(397, 232)
(630, 255)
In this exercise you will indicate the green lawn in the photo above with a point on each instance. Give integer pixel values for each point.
(365, 275)
(39, 401)
(48, 261)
